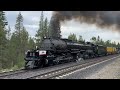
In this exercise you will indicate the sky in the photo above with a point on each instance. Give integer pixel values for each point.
(31, 23)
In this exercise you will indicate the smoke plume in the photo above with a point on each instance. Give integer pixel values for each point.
(102, 19)
(55, 27)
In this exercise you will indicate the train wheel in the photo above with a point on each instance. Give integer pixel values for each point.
(78, 58)
(41, 64)
(56, 62)
(51, 63)
(46, 63)
(26, 68)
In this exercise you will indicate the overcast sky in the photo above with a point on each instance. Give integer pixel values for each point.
(31, 22)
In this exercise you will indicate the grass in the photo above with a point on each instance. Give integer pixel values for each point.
(11, 69)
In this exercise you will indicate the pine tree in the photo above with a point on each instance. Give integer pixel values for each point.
(45, 32)
(108, 43)
(18, 28)
(3, 21)
(93, 39)
(80, 40)
(98, 40)
(118, 45)
(40, 35)
(31, 43)
(8, 33)
(102, 42)
(13, 49)
(8, 50)
(24, 40)
(114, 44)
(1, 45)
(72, 37)
(3, 39)
(19, 41)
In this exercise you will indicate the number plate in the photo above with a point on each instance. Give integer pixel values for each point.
(42, 52)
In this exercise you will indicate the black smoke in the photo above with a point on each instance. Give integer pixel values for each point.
(55, 27)
(100, 18)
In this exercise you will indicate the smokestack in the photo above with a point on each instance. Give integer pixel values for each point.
(54, 27)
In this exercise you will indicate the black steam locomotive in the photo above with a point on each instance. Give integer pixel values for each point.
(55, 51)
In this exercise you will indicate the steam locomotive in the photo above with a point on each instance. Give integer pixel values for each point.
(54, 51)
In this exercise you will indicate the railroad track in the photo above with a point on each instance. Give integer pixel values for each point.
(12, 73)
(55, 73)
(61, 72)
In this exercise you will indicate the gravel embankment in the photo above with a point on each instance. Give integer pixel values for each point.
(111, 71)
(106, 70)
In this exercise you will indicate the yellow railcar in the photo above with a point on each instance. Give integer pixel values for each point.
(114, 50)
(111, 50)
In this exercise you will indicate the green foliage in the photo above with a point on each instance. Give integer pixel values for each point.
(80, 40)
(43, 29)
(118, 45)
(13, 45)
(40, 35)
(93, 39)
(3, 40)
(72, 37)
(3, 21)
(19, 23)
(31, 43)
(17, 44)
(99, 41)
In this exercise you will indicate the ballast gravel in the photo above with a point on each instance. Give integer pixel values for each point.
(106, 70)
